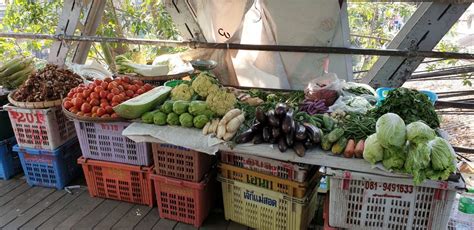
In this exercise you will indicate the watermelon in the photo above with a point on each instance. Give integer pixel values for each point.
(135, 107)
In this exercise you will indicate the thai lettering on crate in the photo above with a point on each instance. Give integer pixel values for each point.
(32, 118)
(110, 127)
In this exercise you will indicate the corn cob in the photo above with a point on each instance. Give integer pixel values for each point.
(10, 63)
(16, 67)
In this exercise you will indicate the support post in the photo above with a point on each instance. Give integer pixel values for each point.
(428, 25)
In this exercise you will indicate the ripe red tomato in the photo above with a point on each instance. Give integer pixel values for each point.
(117, 98)
(135, 95)
(105, 116)
(103, 94)
(140, 91)
(94, 109)
(108, 80)
(68, 104)
(95, 95)
(73, 110)
(132, 88)
(129, 93)
(95, 102)
(110, 96)
(148, 87)
(104, 105)
(112, 85)
(94, 115)
(87, 114)
(115, 91)
(126, 79)
(70, 94)
(109, 109)
(104, 100)
(121, 88)
(81, 114)
(98, 89)
(104, 85)
(80, 89)
(100, 112)
(77, 101)
(114, 104)
(114, 115)
(86, 108)
(97, 82)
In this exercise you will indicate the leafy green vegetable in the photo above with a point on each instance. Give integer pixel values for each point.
(441, 155)
(418, 159)
(373, 151)
(410, 105)
(419, 132)
(394, 158)
(391, 131)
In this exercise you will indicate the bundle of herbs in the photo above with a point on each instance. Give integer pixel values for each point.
(410, 105)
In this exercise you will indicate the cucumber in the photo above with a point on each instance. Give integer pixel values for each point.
(135, 107)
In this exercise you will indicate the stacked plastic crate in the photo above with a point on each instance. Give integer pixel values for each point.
(114, 166)
(46, 145)
(268, 194)
(185, 184)
(9, 161)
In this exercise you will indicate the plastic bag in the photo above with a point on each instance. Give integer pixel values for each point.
(356, 89)
(327, 87)
(355, 104)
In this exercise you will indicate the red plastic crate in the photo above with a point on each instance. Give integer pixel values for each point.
(104, 141)
(179, 162)
(117, 181)
(40, 128)
(184, 201)
(326, 214)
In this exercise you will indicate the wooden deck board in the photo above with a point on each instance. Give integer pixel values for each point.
(95, 216)
(165, 224)
(23, 204)
(83, 202)
(148, 221)
(183, 226)
(10, 184)
(79, 212)
(114, 216)
(134, 215)
(47, 213)
(215, 221)
(29, 214)
(14, 193)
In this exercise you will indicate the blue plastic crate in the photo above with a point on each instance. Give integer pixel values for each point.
(9, 161)
(383, 92)
(50, 168)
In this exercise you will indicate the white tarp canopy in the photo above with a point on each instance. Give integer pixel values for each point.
(275, 22)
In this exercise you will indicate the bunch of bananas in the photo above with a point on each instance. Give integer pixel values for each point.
(14, 72)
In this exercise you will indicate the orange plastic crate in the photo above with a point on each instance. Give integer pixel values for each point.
(118, 181)
(179, 162)
(288, 187)
(185, 201)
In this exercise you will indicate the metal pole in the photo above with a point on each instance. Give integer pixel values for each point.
(233, 46)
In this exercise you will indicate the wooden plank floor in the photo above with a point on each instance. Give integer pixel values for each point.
(25, 207)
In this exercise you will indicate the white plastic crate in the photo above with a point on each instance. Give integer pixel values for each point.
(40, 128)
(367, 201)
(284, 170)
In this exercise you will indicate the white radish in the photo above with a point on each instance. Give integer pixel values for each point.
(213, 128)
(229, 116)
(228, 136)
(205, 130)
(235, 123)
(220, 131)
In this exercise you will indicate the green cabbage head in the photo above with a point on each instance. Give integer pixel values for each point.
(394, 158)
(441, 154)
(391, 131)
(418, 159)
(419, 132)
(373, 151)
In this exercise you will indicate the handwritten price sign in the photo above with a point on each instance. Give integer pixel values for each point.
(31, 118)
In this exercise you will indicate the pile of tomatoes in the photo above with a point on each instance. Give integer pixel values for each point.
(98, 98)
